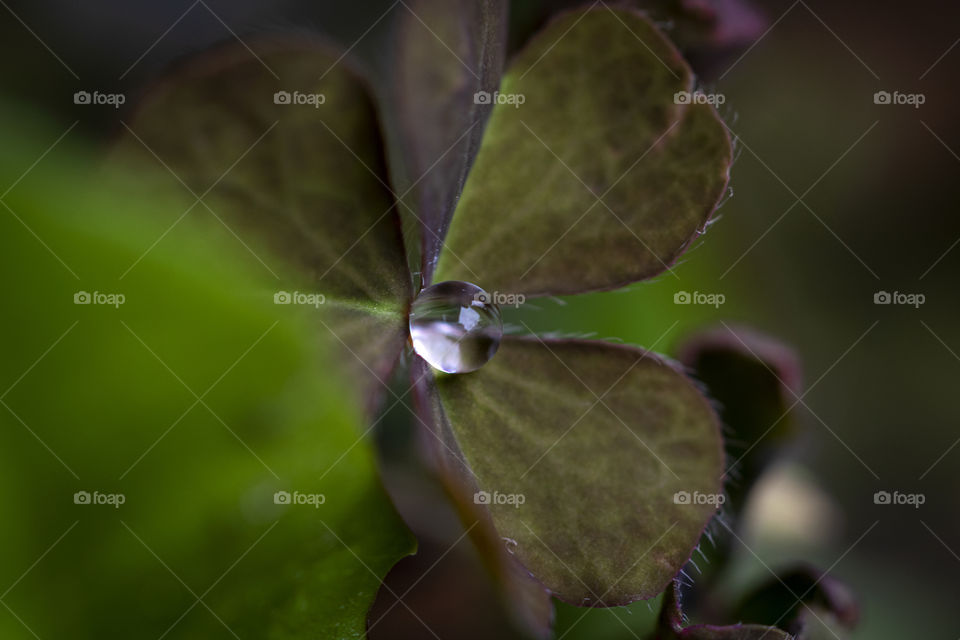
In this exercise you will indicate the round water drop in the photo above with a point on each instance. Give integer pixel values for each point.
(455, 326)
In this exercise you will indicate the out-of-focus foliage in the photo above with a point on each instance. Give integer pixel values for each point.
(294, 165)
(143, 443)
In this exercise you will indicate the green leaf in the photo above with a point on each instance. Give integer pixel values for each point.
(291, 163)
(196, 399)
(672, 625)
(581, 448)
(445, 53)
(598, 178)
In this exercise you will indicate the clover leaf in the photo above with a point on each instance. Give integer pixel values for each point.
(298, 183)
(601, 178)
(431, 118)
(591, 174)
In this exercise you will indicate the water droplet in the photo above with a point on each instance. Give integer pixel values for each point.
(455, 326)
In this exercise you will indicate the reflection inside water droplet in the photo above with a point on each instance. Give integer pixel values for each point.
(455, 326)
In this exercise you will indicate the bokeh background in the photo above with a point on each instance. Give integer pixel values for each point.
(834, 198)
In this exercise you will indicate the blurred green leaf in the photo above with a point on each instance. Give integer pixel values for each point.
(142, 444)
(282, 147)
(592, 174)
(587, 445)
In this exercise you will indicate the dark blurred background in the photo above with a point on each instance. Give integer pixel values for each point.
(835, 198)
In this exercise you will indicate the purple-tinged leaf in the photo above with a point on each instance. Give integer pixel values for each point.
(446, 54)
(598, 167)
(706, 31)
(293, 166)
(672, 625)
(802, 597)
(598, 465)
(755, 381)
(526, 599)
